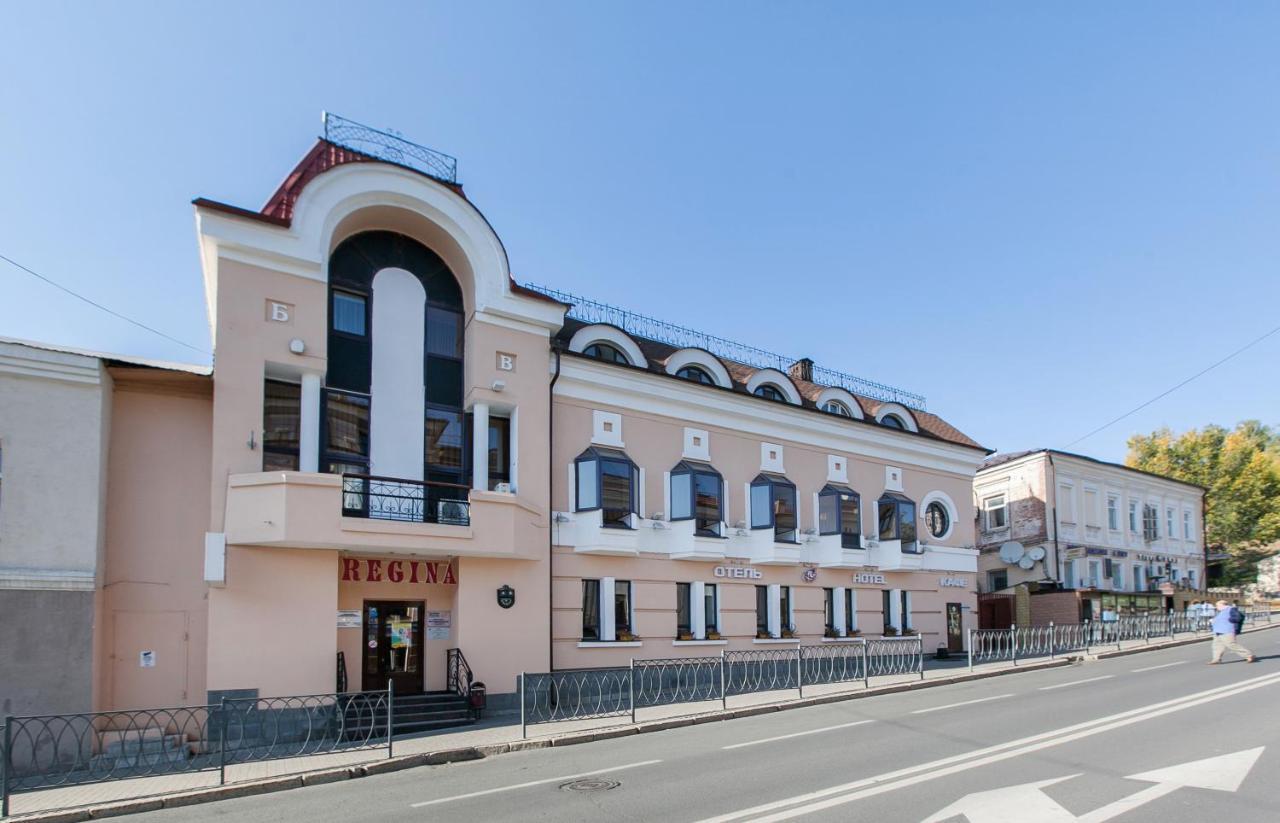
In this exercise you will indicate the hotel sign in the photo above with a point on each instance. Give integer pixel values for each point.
(954, 582)
(737, 572)
(378, 570)
(865, 577)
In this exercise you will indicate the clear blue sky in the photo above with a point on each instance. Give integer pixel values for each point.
(1037, 215)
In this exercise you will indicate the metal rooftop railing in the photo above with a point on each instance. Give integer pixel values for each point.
(639, 325)
(391, 147)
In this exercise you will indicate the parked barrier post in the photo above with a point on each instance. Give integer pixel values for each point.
(6, 757)
(724, 698)
(391, 712)
(1051, 640)
(524, 722)
(631, 689)
(1088, 635)
(1013, 642)
(920, 647)
(866, 666)
(222, 742)
(970, 650)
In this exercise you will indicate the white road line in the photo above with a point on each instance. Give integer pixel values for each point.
(561, 779)
(965, 703)
(798, 734)
(1161, 666)
(1076, 682)
(808, 803)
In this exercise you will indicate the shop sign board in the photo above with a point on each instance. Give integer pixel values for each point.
(380, 570)
(867, 577)
(737, 572)
(954, 582)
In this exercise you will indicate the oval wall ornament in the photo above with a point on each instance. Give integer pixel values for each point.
(506, 596)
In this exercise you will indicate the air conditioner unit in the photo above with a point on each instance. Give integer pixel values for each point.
(453, 512)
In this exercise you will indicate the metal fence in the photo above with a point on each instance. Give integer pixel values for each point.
(589, 694)
(48, 751)
(1025, 642)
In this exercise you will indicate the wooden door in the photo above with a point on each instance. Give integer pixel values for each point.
(393, 635)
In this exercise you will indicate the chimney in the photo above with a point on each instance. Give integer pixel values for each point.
(802, 369)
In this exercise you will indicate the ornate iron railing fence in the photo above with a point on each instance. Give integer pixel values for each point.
(592, 311)
(386, 145)
(588, 694)
(410, 501)
(458, 674)
(48, 751)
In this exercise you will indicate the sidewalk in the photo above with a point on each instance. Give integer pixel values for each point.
(499, 735)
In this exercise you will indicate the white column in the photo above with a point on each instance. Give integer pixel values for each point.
(309, 424)
(608, 623)
(480, 446)
(837, 609)
(698, 610)
(775, 610)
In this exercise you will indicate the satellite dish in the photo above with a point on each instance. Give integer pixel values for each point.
(1026, 563)
(1036, 553)
(1012, 551)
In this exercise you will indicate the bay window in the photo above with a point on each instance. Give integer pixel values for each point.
(898, 520)
(840, 512)
(609, 481)
(697, 493)
(773, 505)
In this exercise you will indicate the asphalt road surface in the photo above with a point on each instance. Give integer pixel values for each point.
(1150, 737)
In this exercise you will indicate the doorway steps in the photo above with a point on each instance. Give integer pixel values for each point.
(415, 713)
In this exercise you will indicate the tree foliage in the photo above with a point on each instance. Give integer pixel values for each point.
(1240, 469)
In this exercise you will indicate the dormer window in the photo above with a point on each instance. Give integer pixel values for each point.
(607, 353)
(898, 520)
(893, 421)
(695, 374)
(840, 512)
(836, 407)
(697, 493)
(770, 392)
(773, 506)
(609, 481)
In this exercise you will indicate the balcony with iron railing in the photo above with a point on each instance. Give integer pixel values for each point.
(368, 513)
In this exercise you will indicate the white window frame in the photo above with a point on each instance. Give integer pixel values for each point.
(1187, 533)
(1067, 514)
(1133, 517)
(1113, 512)
(988, 510)
(1168, 523)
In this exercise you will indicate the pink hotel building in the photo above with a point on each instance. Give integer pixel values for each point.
(400, 451)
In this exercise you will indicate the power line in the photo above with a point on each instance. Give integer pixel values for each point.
(1167, 392)
(61, 287)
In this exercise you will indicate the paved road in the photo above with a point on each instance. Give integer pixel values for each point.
(1090, 742)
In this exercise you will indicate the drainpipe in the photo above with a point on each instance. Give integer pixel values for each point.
(1053, 484)
(551, 518)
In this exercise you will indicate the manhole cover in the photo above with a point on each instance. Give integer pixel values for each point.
(590, 784)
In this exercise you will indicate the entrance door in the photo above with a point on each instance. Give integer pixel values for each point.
(393, 645)
(955, 628)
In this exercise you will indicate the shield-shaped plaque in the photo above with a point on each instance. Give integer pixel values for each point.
(506, 596)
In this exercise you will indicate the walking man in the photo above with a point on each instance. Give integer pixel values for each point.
(1226, 625)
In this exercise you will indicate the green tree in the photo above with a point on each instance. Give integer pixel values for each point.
(1240, 469)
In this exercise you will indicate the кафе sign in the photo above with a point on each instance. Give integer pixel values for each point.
(380, 570)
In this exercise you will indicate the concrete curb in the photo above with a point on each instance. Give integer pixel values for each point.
(466, 753)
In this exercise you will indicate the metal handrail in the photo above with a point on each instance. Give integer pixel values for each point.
(377, 497)
(389, 146)
(650, 328)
